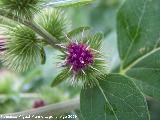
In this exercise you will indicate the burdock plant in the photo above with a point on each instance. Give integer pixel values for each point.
(31, 25)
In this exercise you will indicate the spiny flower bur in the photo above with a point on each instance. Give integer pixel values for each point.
(82, 62)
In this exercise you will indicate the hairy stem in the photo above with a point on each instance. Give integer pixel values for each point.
(51, 110)
(32, 25)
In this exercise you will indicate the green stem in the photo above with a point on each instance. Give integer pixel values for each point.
(43, 33)
(35, 27)
(53, 110)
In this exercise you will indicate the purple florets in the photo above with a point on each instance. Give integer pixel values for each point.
(79, 56)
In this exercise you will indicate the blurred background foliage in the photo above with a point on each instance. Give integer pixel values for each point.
(19, 91)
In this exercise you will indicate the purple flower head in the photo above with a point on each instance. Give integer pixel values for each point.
(79, 56)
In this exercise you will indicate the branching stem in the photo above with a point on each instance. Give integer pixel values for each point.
(51, 40)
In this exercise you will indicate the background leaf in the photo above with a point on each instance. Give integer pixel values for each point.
(139, 43)
(77, 31)
(116, 98)
(69, 3)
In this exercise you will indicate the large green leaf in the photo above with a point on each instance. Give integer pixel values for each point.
(139, 43)
(116, 98)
